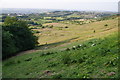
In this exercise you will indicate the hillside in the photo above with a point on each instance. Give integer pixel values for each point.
(77, 51)
(94, 61)
(75, 33)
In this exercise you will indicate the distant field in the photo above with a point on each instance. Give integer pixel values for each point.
(83, 32)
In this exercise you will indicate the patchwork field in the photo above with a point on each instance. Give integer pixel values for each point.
(80, 32)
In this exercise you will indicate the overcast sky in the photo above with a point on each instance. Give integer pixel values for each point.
(97, 5)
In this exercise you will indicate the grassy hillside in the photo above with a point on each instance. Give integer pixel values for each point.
(96, 58)
(78, 51)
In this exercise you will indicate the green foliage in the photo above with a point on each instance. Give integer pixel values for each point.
(16, 36)
(8, 44)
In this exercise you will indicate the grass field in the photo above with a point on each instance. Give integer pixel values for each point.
(79, 51)
(84, 32)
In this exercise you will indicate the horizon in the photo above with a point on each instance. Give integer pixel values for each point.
(76, 5)
(61, 9)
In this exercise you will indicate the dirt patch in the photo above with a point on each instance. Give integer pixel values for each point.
(27, 52)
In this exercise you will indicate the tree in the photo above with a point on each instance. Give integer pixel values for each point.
(19, 35)
(8, 45)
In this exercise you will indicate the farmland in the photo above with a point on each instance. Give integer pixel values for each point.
(71, 44)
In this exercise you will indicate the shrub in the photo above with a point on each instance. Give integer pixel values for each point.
(66, 26)
(74, 47)
(68, 49)
(43, 26)
(106, 25)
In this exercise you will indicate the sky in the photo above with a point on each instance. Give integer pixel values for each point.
(95, 5)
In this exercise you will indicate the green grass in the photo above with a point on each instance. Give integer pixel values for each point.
(98, 61)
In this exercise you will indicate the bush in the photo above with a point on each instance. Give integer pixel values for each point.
(43, 26)
(106, 25)
(66, 26)
(68, 49)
